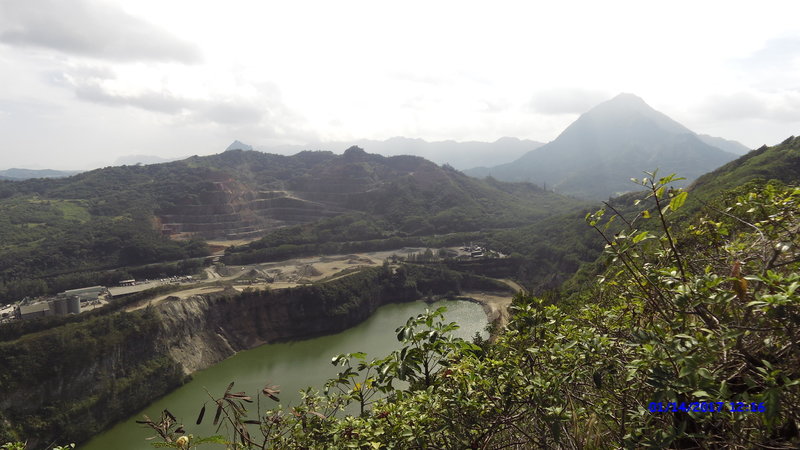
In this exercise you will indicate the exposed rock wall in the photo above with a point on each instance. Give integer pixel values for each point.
(232, 210)
(204, 330)
(69, 383)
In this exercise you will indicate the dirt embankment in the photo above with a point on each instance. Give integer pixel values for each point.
(205, 329)
(495, 304)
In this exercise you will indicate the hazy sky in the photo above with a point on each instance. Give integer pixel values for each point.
(83, 82)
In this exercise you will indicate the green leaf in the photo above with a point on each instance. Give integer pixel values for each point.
(700, 394)
(678, 201)
(772, 398)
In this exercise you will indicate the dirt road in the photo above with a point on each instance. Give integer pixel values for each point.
(283, 274)
(298, 271)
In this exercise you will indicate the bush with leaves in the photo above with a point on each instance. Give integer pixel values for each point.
(713, 318)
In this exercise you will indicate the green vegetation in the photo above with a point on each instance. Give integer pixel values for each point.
(65, 233)
(781, 162)
(67, 382)
(431, 207)
(708, 313)
(22, 446)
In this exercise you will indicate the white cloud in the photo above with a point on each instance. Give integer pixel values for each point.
(89, 28)
(189, 76)
(780, 107)
(782, 53)
(567, 100)
(740, 105)
(103, 86)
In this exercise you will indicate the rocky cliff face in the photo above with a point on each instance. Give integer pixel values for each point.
(232, 210)
(204, 330)
(70, 382)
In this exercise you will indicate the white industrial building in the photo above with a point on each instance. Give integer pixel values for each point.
(67, 302)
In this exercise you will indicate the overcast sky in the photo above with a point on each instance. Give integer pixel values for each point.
(84, 82)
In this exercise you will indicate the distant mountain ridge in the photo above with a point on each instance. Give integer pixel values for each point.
(241, 194)
(131, 160)
(460, 155)
(238, 145)
(737, 148)
(25, 174)
(611, 143)
(139, 214)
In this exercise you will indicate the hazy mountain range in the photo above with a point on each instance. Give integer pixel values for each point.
(611, 143)
(734, 147)
(24, 174)
(460, 155)
(592, 158)
(237, 145)
(132, 160)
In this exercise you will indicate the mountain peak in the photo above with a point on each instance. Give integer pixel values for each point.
(626, 108)
(628, 97)
(238, 145)
(355, 153)
(625, 102)
(614, 141)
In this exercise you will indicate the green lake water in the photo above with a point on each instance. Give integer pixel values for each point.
(292, 366)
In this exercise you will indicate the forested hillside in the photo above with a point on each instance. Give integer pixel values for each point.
(780, 162)
(58, 234)
(687, 338)
(61, 234)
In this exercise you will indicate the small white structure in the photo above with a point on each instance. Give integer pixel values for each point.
(86, 294)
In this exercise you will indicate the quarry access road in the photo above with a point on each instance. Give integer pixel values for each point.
(297, 271)
(285, 274)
